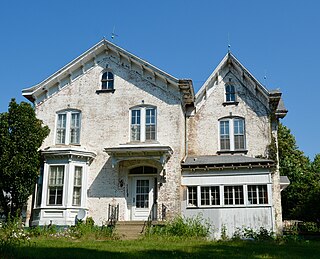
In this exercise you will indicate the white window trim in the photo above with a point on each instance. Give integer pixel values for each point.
(231, 133)
(143, 123)
(68, 127)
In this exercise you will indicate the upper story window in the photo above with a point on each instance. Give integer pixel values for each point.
(143, 123)
(68, 127)
(107, 81)
(230, 94)
(232, 134)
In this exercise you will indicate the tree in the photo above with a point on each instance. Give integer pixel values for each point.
(21, 135)
(299, 199)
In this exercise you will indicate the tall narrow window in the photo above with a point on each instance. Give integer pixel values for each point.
(143, 124)
(232, 134)
(77, 183)
(107, 80)
(238, 130)
(135, 125)
(75, 128)
(150, 124)
(192, 196)
(55, 185)
(68, 127)
(61, 128)
(224, 135)
(230, 93)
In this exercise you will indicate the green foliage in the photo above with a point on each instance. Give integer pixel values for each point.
(183, 228)
(248, 233)
(301, 200)
(21, 135)
(224, 235)
(12, 234)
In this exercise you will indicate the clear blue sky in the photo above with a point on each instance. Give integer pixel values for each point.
(279, 39)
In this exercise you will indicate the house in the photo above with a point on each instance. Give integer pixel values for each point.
(127, 135)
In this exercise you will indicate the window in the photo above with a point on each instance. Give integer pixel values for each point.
(68, 127)
(77, 182)
(257, 194)
(230, 93)
(107, 81)
(55, 185)
(210, 195)
(143, 124)
(192, 196)
(233, 195)
(232, 134)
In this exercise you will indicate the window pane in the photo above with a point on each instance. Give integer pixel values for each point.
(192, 196)
(107, 80)
(224, 135)
(75, 128)
(215, 195)
(150, 124)
(205, 196)
(55, 185)
(230, 93)
(263, 194)
(61, 129)
(238, 190)
(252, 194)
(239, 139)
(228, 195)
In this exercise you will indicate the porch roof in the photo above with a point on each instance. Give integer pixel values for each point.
(225, 161)
(284, 182)
(158, 153)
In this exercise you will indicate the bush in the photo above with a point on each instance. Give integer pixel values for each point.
(182, 227)
(248, 233)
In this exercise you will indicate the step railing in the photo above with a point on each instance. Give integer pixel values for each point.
(113, 214)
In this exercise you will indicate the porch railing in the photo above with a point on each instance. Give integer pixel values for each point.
(113, 214)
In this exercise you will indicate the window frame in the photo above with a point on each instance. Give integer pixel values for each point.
(107, 80)
(261, 196)
(229, 142)
(145, 121)
(55, 186)
(213, 201)
(70, 131)
(77, 186)
(230, 93)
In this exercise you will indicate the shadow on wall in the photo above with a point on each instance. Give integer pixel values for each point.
(106, 183)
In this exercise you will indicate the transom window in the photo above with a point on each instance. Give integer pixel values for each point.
(257, 194)
(232, 134)
(55, 185)
(68, 127)
(107, 81)
(143, 123)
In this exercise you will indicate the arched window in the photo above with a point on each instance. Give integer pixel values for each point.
(107, 81)
(230, 93)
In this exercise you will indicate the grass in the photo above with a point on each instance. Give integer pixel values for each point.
(162, 248)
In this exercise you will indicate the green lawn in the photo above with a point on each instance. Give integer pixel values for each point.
(162, 248)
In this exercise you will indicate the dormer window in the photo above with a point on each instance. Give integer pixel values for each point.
(107, 81)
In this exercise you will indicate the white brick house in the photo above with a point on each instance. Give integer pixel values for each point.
(126, 133)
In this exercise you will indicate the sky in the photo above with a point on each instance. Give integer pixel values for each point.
(277, 41)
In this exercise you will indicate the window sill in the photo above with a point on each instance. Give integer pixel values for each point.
(230, 103)
(242, 151)
(105, 91)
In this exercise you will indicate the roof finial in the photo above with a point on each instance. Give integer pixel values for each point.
(113, 34)
(229, 45)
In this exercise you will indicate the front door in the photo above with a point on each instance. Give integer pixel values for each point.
(142, 197)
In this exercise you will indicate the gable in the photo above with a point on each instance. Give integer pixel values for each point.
(230, 69)
(105, 54)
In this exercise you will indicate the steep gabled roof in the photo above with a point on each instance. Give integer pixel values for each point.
(276, 104)
(185, 85)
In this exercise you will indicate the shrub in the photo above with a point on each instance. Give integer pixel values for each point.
(182, 227)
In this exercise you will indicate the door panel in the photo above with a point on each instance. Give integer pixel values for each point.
(142, 197)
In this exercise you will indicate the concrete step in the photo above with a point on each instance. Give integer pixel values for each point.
(130, 229)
